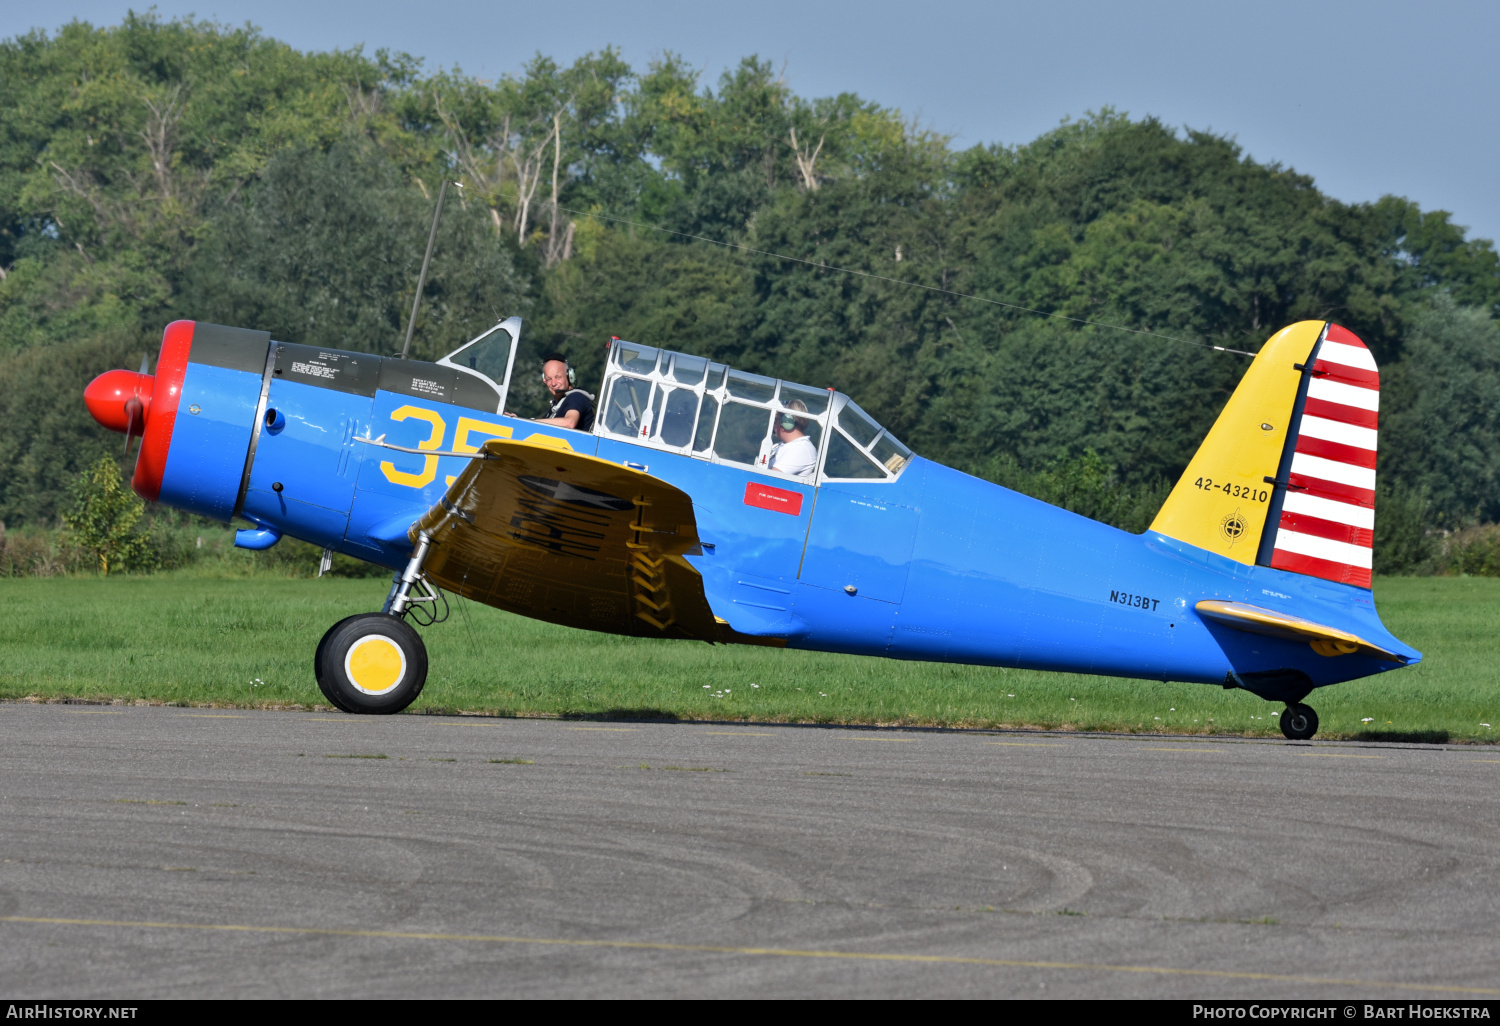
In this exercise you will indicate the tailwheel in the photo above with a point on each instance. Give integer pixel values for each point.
(1299, 722)
(371, 663)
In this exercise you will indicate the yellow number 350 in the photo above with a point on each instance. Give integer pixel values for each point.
(434, 441)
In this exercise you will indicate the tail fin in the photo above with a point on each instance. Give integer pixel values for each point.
(1286, 478)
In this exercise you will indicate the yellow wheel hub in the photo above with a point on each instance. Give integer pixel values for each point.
(375, 664)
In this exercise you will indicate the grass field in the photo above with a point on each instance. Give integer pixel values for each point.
(249, 642)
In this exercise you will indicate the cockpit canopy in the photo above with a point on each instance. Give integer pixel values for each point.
(491, 357)
(690, 405)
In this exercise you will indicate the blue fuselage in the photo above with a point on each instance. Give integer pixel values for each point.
(934, 565)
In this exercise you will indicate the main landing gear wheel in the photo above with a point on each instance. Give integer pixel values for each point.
(371, 663)
(375, 662)
(1299, 722)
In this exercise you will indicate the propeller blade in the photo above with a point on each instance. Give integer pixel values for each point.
(134, 416)
(134, 410)
(138, 450)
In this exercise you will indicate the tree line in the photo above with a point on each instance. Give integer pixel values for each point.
(972, 299)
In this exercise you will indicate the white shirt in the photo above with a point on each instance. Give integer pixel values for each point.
(797, 458)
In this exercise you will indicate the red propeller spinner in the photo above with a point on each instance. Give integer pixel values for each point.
(121, 400)
(144, 406)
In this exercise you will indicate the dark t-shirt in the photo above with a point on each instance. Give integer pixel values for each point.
(576, 399)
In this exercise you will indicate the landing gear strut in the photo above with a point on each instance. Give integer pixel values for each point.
(1299, 722)
(375, 662)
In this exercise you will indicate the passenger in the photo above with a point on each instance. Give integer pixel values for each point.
(571, 407)
(794, 453)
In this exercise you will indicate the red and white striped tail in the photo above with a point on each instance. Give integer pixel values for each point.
(1327, 526)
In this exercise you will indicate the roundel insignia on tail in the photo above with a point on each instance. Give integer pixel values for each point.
(1233, 527)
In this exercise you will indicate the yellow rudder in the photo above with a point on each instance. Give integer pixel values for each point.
(1221, 501)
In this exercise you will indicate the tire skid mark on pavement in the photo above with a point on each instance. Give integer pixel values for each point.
(863, 956)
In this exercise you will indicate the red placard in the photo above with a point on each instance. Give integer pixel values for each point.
(781, 500)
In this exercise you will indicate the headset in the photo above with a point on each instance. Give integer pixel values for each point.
(572, 377)
(789, 420)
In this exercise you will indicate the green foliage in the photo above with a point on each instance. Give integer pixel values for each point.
(1473, 552)
(641, 288)
(1440, 421)
(48, 438)
(175, 541)
(104, 520)
(157, 169)
(116, 143)
(1086, 485)
(1403, 542)
(1432, 252)
(32, 552)
(325, 250)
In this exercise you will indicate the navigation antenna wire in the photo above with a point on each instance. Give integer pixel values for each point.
(913, 284)
(416, 301)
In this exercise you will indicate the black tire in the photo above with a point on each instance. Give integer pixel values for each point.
(1299, 722)
(383, 652)
(328, 692)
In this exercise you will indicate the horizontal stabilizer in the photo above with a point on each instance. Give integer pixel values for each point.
(1327, 641)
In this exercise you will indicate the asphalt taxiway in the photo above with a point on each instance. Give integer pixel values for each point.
(163, 852)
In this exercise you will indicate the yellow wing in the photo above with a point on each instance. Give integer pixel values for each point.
(573, 539)
(1326, 641)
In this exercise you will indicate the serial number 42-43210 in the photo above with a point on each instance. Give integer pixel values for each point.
(1236, 491)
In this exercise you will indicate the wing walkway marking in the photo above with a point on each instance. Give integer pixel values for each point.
(861, 956)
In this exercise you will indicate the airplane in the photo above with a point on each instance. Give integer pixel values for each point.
(671, 518)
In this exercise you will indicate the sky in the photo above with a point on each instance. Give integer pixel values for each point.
(1369, 98)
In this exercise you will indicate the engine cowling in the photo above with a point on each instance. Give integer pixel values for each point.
(196, 415)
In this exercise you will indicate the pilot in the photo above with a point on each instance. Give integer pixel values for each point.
(794, 453)
(571, 407)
